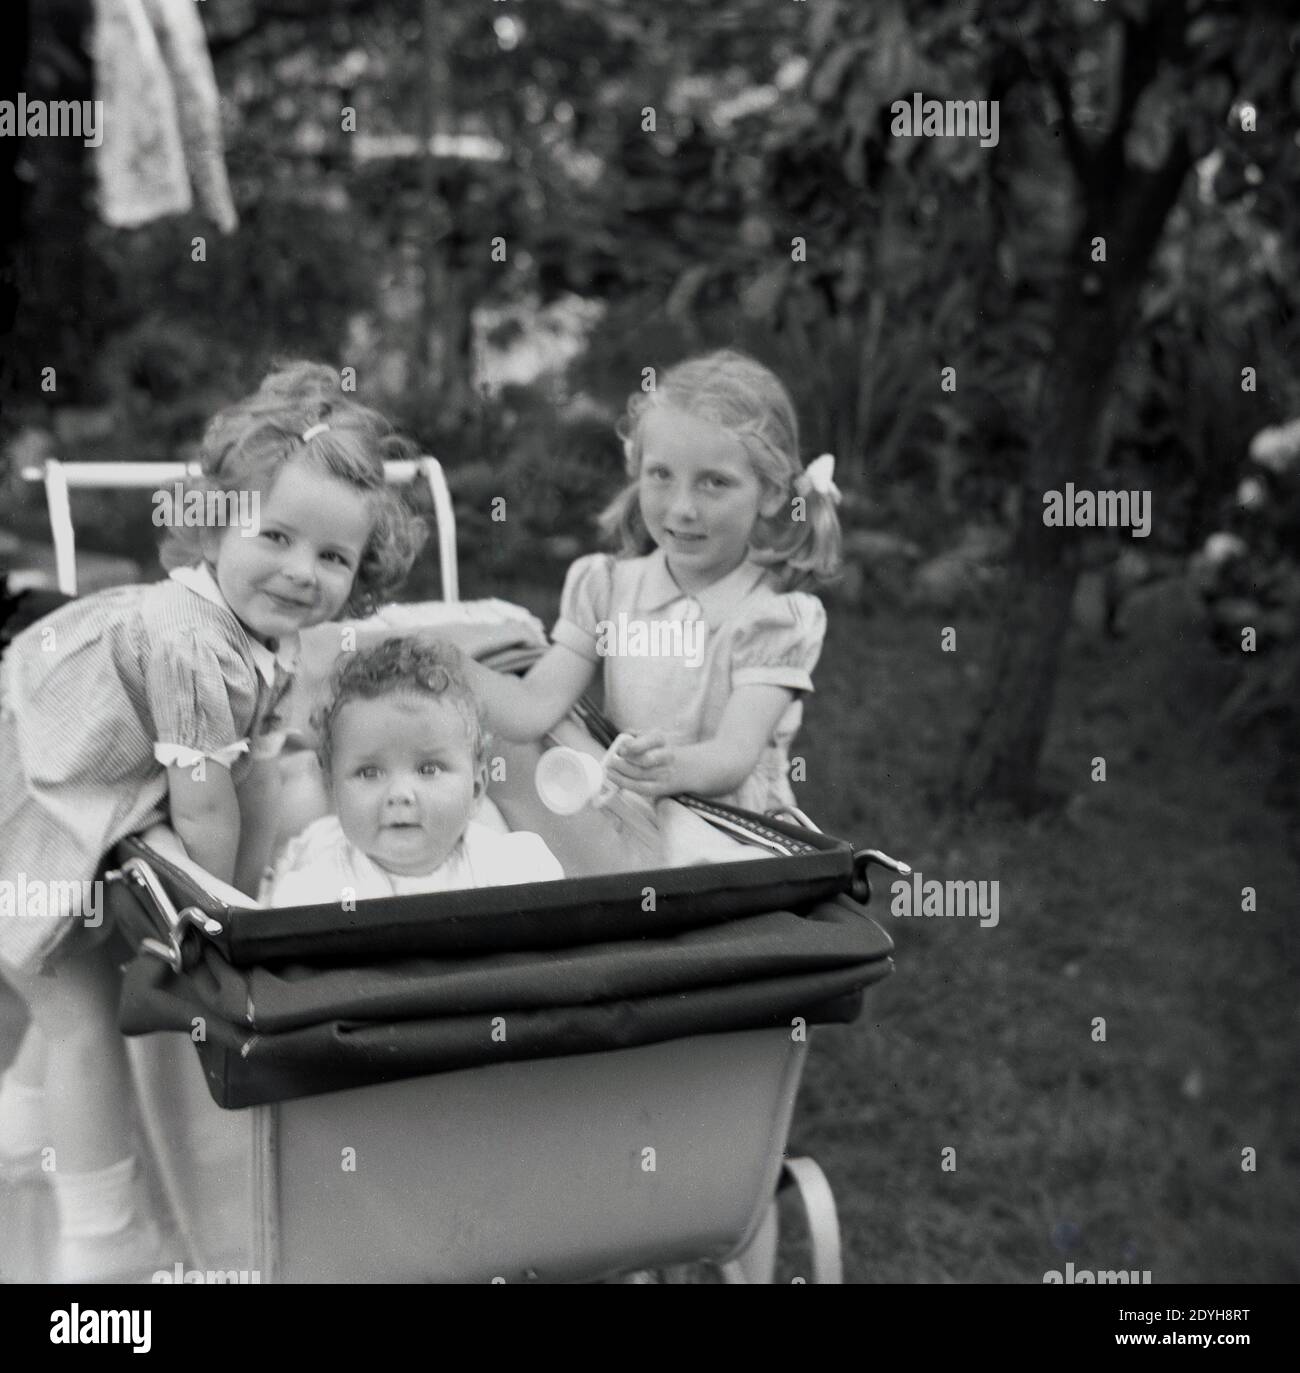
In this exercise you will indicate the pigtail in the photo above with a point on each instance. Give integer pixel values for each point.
(810, 555)
(621, 523)
(801, 544)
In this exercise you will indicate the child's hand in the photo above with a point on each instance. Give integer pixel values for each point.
(646, 764)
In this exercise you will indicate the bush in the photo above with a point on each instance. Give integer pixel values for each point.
(551, 469)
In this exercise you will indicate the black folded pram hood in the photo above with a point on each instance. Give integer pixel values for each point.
(291, 1002)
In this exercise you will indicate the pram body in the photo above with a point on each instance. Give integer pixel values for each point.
(564, 1166)
(514, 1172)
(642, 1127)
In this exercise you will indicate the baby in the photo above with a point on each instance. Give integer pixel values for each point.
(401, 746)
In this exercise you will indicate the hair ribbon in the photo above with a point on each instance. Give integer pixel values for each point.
(819, 476)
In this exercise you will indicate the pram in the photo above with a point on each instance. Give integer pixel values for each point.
(568, 1081)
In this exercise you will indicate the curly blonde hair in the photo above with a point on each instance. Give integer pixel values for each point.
(402, 666)
(248, 443)
(737, 393)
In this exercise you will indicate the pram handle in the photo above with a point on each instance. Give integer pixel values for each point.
(862, 860)
(799, 817)
(171, 922)
(60, 478)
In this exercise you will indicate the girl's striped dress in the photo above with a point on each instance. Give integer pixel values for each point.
(95, 701)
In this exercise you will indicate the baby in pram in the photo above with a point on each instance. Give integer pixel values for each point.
(401, 747)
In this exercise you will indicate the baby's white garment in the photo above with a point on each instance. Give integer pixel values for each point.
(323, 867)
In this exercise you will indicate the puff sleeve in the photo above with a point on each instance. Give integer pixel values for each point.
(193, 692)
(584, 602)
(779, 643)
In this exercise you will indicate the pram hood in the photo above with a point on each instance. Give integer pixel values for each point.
(299, 1001)
(272, 1034)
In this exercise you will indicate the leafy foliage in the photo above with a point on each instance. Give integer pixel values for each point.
(767, 123)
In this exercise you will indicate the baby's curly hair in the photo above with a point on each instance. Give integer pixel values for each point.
(246, 444)
(402, 666)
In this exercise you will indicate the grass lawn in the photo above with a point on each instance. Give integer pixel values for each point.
(1122, 1154)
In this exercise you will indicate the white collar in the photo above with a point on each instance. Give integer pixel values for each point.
(199, 579)
(717, 601)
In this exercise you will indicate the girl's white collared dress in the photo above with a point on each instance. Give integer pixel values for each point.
(754, 635)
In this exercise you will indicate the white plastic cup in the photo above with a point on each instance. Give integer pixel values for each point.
(568, 780)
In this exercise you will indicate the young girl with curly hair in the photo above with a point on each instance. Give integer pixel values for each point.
(143, 703)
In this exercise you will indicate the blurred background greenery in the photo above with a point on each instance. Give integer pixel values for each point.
(648, 167)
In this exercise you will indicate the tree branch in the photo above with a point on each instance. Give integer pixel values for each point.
(1082, 158)
(1154, 196)
(1146, 44)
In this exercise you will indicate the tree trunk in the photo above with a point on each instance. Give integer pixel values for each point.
(431, 93)
(444, 333)
(1094, 309)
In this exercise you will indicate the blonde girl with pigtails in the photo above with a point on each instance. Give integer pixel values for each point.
(703, 624)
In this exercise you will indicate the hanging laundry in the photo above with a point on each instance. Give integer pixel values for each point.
(162, 120)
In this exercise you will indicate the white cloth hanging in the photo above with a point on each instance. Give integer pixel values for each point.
(161, 114)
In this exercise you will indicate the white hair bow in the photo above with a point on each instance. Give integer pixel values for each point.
(819, 476)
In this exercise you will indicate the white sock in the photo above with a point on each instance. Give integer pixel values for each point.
(98, 1203)
(22, 1117)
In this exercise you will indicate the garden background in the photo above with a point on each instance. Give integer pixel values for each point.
(646, 171)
